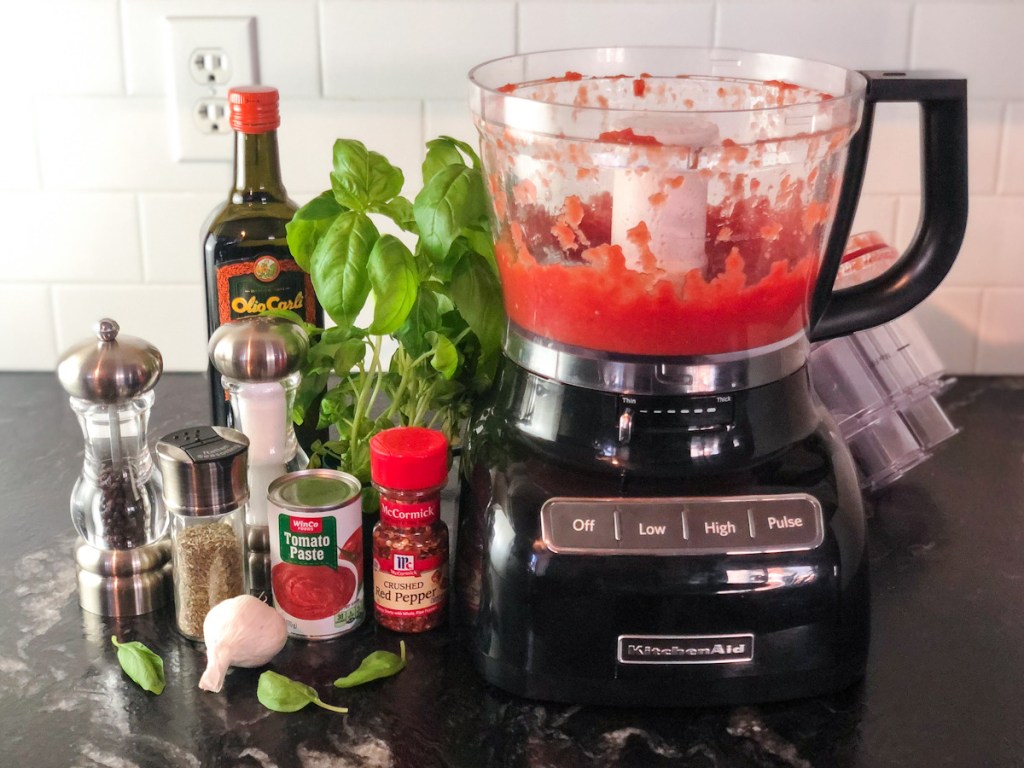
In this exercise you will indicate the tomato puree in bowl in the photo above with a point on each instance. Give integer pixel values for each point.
(662, 215)
(316, 592)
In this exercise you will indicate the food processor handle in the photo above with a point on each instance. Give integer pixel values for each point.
(940, 230)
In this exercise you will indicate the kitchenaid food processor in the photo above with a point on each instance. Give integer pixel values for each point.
(655, 507)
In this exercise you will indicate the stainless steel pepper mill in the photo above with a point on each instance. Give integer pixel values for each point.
(122, 553)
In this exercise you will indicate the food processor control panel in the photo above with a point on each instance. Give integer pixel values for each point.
(654, 414)
(682, 525)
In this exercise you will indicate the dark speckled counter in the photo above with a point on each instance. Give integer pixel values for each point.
(945, 684)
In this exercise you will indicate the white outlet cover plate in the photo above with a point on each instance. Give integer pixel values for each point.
(192, 139)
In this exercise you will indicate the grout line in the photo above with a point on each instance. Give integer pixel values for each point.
(976, 363)
(1003, 156)
(321, 65)
(516, 31)
(122, 46)
(908, 56)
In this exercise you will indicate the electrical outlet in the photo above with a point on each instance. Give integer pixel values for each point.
(206, 55)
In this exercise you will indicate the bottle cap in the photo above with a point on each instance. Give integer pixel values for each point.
(409, 458)
(253, 108)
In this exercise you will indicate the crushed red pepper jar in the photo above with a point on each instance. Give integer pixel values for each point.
(409, 467)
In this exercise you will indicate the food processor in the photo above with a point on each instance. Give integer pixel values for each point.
(656, 509)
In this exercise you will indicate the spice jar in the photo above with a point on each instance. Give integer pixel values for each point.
(409, 466)
(205, 489)
(259, 359)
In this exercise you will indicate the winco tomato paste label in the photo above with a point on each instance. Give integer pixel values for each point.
(316, 568)
(406, 586)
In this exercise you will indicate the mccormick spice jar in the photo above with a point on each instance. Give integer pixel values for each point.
(409, 466)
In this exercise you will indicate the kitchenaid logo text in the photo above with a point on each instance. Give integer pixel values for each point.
(709, 649)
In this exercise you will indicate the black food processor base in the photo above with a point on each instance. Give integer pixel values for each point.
(679, 563)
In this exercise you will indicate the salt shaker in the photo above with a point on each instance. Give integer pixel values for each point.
(116, 502)
(259, 360)
(204, 470)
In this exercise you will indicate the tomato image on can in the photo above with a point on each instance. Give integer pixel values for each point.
(315, 519)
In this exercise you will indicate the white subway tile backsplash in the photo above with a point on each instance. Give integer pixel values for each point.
(407, 49)
(171, 317)
(985, 128)
(309, 129)
(876, 213)
(18, 154)
(545, 25)
(981, 40)
(1001, 332)
(108, 223)
(87, 238)
(71, 47)
(950, 318)
(287, 36)
(116, 144)
(894, 165)
(850, 34)
(171, 227)
(990, 254)
(1011, 176)
(26, 311)
(450, 118)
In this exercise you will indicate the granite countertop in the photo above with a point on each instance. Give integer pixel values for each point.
(943, 686)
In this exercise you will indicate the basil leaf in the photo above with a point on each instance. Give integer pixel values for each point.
(348, 355)
(477, 295)
(141, 665)
(440, 154)
(445, 359)
(282, 694)
(452, 199)
(394, 281)
(462, 146)
(375, 666)
(399, 210)
(362, 177)
(423, 318)
(309, 224)
(338, 266)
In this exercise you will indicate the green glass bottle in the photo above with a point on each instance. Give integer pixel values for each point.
(247, 263)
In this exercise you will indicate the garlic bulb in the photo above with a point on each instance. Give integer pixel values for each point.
(242, 631)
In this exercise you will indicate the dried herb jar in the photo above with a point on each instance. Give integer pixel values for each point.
(409, 467)
(205, 490)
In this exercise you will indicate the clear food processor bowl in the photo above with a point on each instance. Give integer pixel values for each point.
(662, 201)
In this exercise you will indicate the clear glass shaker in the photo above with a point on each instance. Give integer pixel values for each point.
(116, 502)
(205, 489)
(259, 360)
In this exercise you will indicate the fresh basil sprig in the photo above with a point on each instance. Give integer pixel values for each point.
(439, 303)
(282, 694)
(140, 664)
(375, 666)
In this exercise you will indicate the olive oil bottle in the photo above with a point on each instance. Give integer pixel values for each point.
(247, 264)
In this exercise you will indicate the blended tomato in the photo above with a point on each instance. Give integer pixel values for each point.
(312, 591)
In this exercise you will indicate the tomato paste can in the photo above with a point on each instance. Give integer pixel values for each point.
(315, 519)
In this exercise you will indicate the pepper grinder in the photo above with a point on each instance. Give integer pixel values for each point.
(122, 553)
(259, 360)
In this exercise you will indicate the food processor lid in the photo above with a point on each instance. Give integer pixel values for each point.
(110, 369)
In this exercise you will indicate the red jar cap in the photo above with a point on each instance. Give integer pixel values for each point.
(254, 109)
(409, 458)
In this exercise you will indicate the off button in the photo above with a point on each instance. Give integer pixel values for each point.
(576, 525)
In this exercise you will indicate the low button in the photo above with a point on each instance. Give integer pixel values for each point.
(579, 526)
(659, 527)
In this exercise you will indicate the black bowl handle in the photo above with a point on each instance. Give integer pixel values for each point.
(940, 230)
